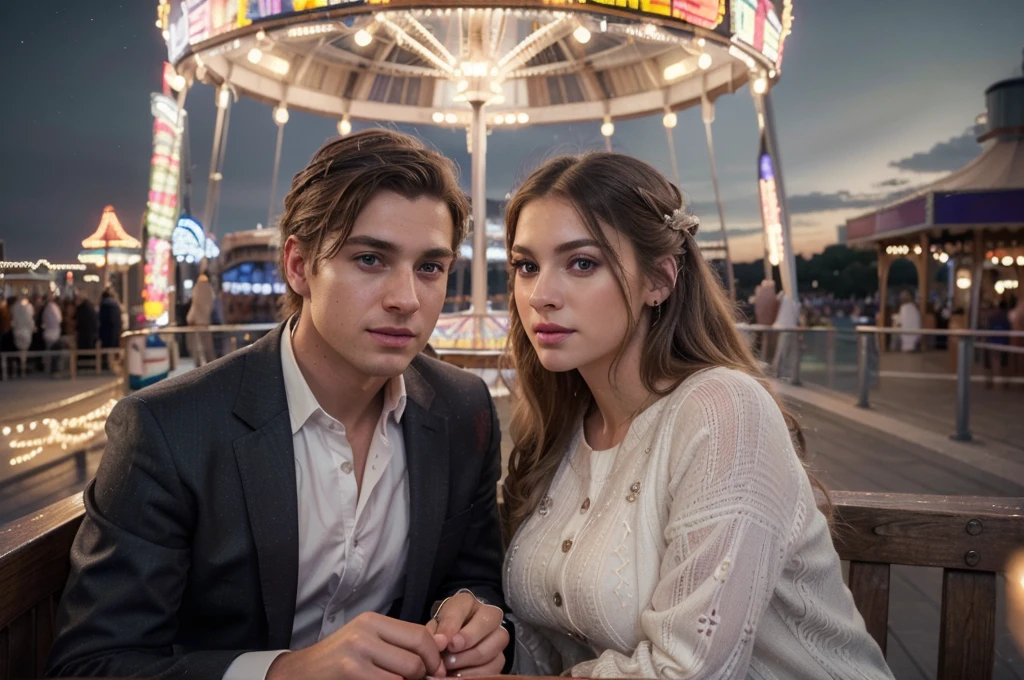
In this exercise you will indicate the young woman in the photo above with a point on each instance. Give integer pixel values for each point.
(663, 523)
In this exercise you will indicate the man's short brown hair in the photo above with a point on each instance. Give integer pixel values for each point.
(328, 194)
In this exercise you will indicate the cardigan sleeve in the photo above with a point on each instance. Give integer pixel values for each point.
(737, 506)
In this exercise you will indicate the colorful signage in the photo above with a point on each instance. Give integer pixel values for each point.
(156, 281)
(162, 208)
(759, 24)
(771, 213)
(190, 22)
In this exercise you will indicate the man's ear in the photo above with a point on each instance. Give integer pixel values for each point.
(296, 268)
(661, 287)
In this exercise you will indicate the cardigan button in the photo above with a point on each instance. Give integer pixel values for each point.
(585, 506)
(558, 599)
(566, 545)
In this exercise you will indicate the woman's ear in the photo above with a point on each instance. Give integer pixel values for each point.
(662, 285)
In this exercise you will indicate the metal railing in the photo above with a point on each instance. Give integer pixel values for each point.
(868, 351)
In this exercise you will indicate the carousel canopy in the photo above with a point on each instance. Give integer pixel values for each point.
(530, 61)
(987, 193)
(110, 233)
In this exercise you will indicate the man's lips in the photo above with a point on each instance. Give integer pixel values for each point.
(392, 337)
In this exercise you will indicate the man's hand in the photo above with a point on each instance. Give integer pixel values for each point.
(476, 640)
(371, 647)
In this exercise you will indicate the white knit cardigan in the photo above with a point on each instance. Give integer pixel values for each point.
(694, 549)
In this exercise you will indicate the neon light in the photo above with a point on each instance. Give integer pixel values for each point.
(771, 213)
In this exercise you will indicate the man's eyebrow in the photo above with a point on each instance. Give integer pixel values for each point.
(389, 247)
(372, 242)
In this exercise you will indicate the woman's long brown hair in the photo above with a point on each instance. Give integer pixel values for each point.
(696, 329)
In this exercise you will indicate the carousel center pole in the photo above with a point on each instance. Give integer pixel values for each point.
(479, 199)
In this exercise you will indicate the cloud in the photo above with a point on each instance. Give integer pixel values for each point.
(894, 182)
(946, 156)
(840, 200)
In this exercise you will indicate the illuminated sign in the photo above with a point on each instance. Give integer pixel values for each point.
(189, 242)
(771, 213)
(703, 13)
(156, 281)
(162, 208)
(757, 23)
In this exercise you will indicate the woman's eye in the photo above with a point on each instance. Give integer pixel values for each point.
(525, 267)
(583, 264)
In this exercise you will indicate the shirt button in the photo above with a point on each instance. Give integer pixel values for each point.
(585, 506)
(566, 545)
(558, 599)
(330, 619)
(346, 467)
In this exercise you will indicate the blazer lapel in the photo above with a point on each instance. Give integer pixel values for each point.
(266, 465)
(426, 451)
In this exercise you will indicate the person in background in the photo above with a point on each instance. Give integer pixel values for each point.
(910, 319)
(200, 313)
(52, 323)
(109, 322)
(1016, 316)
(23, 328)
(86, 325)
(69, 328)
(997, 361)
(5, 319)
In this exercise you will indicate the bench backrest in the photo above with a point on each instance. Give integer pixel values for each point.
(970, 538)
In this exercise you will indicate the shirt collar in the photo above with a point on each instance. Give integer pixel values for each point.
(302, 404)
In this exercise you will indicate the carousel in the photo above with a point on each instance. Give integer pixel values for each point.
(970, 222)
(485, 65)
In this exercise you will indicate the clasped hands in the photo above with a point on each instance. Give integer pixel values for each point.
(465, 638)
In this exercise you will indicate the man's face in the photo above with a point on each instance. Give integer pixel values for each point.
(376, 302)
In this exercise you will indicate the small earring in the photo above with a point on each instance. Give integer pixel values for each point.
(657, 313)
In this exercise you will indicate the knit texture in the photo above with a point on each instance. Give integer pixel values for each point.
(701, 553)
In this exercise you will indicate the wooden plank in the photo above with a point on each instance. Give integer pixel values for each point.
(928, 531)
(968, 628)
(869, 583)
(5, 654)
(34, 556)
(45, 619)
(22, 646)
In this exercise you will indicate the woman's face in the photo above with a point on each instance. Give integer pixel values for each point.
(566, 290)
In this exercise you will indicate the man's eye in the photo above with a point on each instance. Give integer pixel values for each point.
(369, 260)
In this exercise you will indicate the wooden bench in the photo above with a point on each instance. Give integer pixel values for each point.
(970, 538)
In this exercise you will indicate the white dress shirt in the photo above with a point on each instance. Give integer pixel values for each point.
(353, 542)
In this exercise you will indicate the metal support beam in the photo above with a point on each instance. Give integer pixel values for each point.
(479, 198)
(787, 266)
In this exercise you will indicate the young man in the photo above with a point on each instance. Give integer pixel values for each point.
(320, 490)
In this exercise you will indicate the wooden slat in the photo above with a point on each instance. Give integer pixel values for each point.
(869, 583)
(45, 615)
(21, 633)
(5, 654)
(34, 556)
(967, 632)
(928, 531)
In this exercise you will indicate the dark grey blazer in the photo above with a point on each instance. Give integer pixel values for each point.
(188, 553)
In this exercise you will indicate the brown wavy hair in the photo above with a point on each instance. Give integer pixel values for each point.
(696, 328)
(328, 194)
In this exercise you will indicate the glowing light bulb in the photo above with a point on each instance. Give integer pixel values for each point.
(363, 37)
(582, 35)
(704, 61)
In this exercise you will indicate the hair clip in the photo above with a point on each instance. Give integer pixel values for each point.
(682, 221)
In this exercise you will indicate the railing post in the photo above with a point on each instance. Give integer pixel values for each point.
(863, 376)
(830, 358)
(796, 359)
(964, 359)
